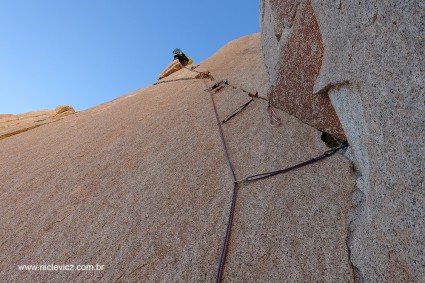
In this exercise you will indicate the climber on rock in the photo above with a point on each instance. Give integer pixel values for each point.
(183, 59)
(180, 61)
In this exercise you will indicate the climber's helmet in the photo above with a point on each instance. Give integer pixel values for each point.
(177, 51)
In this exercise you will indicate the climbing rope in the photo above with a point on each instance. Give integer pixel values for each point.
(234, 113)
(225, 246)
(175, 80)
(213, 90)
(262, 176)
(192, 69)
(274, 121)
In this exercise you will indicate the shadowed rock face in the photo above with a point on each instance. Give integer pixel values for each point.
(372, 69)
(290, 29)
(378, 47)
(140, 185)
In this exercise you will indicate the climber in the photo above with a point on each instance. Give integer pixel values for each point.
(178, 54)
(180, 61)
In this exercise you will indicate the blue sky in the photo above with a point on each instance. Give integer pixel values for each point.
(86, 52)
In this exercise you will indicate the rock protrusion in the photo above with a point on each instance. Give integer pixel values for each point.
(63, 110)
(11, 125)
(173, 67)
(293, 54)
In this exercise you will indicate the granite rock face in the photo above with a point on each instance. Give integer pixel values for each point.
(11, 125)
(63, 110)
(372, 69)
(293, 54)
(140, 185)
(173, 67)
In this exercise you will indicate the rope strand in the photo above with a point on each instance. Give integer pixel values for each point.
(226, 241)
(299, 165)
(234, 113)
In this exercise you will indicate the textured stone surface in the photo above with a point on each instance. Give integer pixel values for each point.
(15, 124)
(2, 116)
(62, 110)
(378, 49)
(293, 54)
(373, 70)
(140, 184)
(173, 67)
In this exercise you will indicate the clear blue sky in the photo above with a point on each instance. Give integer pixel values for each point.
(86, 52)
